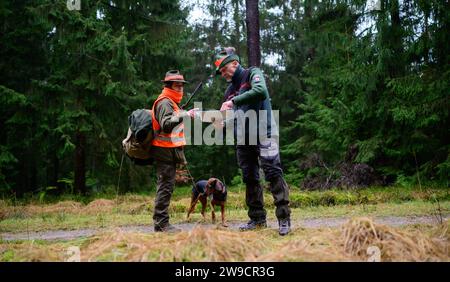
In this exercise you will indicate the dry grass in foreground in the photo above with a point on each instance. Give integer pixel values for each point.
(350, 242)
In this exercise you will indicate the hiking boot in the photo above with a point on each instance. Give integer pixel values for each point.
(169, 228)
(284, 226)
(253, 224)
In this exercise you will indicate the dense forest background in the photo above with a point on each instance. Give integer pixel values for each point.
(363, 93)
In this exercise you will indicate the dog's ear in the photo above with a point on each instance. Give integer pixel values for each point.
(221, 187)
(211, 182)
(208, 185)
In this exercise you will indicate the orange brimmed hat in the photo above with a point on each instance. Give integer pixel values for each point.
(175, 76)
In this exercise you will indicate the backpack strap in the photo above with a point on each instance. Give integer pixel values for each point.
(155, 123)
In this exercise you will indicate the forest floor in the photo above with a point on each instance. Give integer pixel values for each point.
(406, 224)
(232, 226)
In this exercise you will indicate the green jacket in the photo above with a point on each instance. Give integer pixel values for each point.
(165, 115)
(248, 91)
(258, 91)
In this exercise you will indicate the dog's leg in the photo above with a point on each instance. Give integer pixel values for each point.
(222, 211)
(192, 207)
(203, 200)
(213, 214)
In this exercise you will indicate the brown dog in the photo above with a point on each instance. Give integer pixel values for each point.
(216, 191)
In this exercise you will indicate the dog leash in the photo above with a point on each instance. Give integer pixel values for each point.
(193, 185)
(190, 175)
(194, 203)
(118, 181)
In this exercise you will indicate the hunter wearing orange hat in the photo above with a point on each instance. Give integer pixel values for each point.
(168, 145)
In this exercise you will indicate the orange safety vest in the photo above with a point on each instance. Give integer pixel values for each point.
(163, 139)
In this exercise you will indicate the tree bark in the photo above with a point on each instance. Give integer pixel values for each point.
(397, 38)
(308, 6)
(237, 22)
(308, 9)
(253, 37)
(80, 163)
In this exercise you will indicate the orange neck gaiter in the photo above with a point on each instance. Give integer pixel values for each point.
(171, 94)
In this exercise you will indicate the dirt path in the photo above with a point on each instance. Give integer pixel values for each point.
(233, 225)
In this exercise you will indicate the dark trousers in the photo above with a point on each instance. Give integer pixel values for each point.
(249, 159)
(165, 183)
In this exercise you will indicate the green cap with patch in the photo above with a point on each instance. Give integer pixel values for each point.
(225, 56)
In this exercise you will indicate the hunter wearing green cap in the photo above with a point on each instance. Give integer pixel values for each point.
(226, 56)
(247, 91)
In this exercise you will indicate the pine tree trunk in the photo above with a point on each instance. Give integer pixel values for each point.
(252, 21)
(237, 22)
(32, 162)
(52, 165)
(308, 6)
(397, 38)
(308, 9)
(54, 179)
(80, 163)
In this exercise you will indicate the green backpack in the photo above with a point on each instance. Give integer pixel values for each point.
(138, 142)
